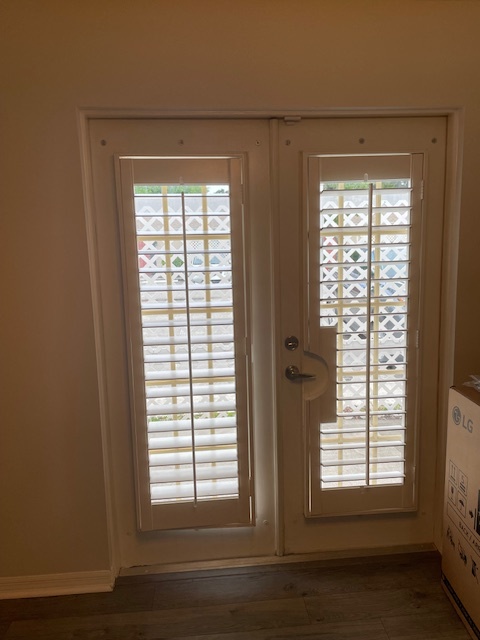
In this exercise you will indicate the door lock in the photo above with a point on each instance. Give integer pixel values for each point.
(294, 374)
(291, 343)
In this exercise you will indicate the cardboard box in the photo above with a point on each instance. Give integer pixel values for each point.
(461, 543)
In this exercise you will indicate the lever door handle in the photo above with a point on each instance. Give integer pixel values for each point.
(292, 373)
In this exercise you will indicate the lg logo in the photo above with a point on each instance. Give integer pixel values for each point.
(460, 419)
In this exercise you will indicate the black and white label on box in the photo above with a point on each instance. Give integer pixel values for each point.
(453, 472)
(468, 537)
(462, 482)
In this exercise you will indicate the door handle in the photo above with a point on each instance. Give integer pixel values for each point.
(292, 373)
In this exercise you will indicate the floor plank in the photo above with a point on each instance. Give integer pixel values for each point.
(3, 628)
(444, 625)
(364, 605)
(153, 625)
(350, 631)
(137, 597)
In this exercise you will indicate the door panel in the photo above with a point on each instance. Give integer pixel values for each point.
(363, 290)
(183, 283)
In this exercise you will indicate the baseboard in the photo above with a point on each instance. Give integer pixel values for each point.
(233, 563)
(56, 584)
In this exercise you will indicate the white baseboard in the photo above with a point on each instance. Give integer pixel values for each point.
(56, 584)
(234, 563)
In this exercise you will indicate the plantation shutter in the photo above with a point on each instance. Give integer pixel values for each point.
(183, 257)
(364, 262)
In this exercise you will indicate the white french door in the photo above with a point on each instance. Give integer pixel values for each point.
(361, 223)
(235, 258)
(183, 225)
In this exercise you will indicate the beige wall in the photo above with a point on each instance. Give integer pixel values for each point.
(56, 56)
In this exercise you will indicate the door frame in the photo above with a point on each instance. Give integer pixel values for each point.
(449, 269)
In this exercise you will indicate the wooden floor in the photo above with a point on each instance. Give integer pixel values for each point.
(382, 598)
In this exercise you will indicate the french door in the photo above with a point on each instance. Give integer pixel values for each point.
(264, 288)
(364, 219)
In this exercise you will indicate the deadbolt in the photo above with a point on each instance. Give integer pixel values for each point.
(291, 343)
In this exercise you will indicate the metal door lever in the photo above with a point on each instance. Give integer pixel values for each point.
(292, 373)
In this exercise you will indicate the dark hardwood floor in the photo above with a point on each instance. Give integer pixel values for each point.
(382, 598)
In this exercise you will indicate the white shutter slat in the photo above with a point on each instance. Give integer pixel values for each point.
(169, 272)
(207, 407)
(182, 306)
(360, 414)
(349, 477)
(184, 473)
(212, 339)
(362, 461)
(218, 439)
(153, 377)
(356, 445)
(151, 237)
(362, 230)
(195, 357)
(347, 430)
(186, 425)
(169, 253)
(192, 287)
(174, 391)
(204, 489)
(183, 457)
(181, 323)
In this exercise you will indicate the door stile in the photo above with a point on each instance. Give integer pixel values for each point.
(278, 452)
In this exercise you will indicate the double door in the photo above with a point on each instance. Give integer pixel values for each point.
(270, 293)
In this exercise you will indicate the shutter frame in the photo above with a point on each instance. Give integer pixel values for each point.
(375, 498)
(214, 512)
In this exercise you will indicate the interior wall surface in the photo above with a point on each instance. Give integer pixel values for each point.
(57, 56)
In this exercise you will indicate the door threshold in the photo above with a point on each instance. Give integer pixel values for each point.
(251, 562)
